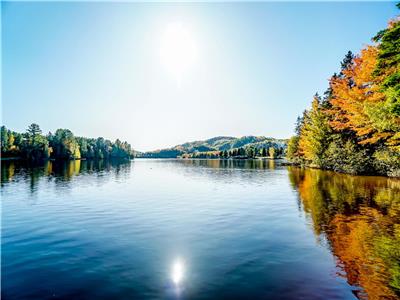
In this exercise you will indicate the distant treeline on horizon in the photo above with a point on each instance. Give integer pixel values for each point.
(34, 146)
(223, 147)
(240, 153)
(355, 127)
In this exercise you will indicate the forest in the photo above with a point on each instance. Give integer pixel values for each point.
(242, 152)
(62, 145)
(355, 126)
(223, 147)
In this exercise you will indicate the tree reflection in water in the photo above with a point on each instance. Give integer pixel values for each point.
(62, 172)
(360, 217)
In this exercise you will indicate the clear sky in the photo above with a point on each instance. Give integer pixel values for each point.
(157, 75)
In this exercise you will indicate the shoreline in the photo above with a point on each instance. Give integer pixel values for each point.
(302, 166)
(280, 161)
(60, 160)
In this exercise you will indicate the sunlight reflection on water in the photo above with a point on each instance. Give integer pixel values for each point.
(178, 271)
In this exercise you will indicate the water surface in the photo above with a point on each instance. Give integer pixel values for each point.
(197, 229)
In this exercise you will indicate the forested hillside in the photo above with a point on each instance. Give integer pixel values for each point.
(355, 126)
(34, 146)
(221, 146)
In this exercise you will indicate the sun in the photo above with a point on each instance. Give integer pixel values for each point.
(178, 49)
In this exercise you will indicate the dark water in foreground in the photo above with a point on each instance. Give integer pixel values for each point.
(197, 229)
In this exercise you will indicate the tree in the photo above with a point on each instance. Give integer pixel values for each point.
(35, 146)
(84, 147)
(4, 139)
(355, 128)
(120, 149)
(65, 145)
(359, 103)
(347, 61)
(33, 130)
(293, 149)
(272, 152)
(314, 136)
(249, 152)
(32, 145)
(11, 140)
(299, 124)
(388, 62)
(264, 152)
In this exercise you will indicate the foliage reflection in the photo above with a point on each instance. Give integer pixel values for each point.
(60, 171)
(360, 217)
(230, 163)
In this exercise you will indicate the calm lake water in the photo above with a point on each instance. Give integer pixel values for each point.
(197, 229)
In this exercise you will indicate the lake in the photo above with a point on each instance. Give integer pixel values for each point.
(197, 229)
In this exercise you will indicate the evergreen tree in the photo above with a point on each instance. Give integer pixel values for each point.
(36, 146)
(4, 139)
(264, 152)
(347, 61)
(33, 130)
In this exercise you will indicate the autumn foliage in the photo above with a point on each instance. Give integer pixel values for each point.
(355, 127)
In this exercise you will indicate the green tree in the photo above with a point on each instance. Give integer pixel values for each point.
(389, 64)
(32, 145)
(315, 134)
(4, 139)
(264, 152)
(35, 146)
(65, 145)
(250, 152)
(84, 147)
(33, 130)
(293, 149)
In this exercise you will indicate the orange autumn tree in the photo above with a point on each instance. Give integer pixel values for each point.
(355, 128)
(355, 94)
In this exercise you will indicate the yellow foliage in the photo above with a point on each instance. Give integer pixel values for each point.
(358, 103)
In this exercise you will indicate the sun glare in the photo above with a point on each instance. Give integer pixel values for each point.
(178, 49)
(177, 272)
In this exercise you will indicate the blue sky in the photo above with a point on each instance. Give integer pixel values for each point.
(110, 69)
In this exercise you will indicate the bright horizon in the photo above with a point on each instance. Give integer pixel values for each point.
(158, 75)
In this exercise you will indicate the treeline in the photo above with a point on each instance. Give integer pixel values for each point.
(164, 153)
(34, 146)
(355, 127)
(242, 152)
(212, 147)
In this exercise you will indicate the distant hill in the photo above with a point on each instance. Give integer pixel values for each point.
(220, 143)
